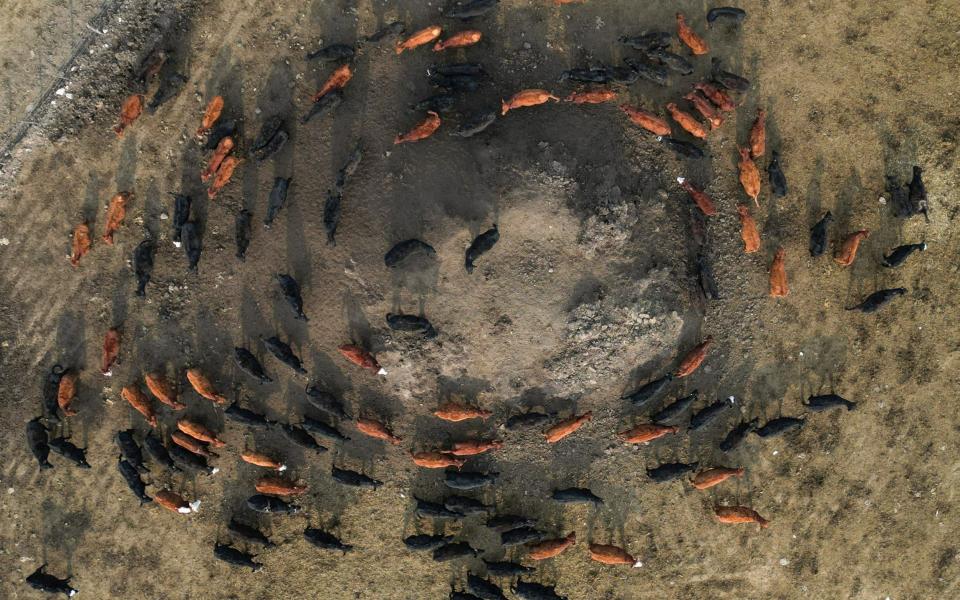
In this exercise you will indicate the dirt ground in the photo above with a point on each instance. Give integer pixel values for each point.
(591, 290)
(58, 29)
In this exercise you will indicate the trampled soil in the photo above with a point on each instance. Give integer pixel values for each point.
(591, 291)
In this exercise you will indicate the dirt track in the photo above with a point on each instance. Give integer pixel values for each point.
(591, 290)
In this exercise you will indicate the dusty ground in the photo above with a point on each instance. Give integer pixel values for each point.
(591, 290)
(37, 38)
